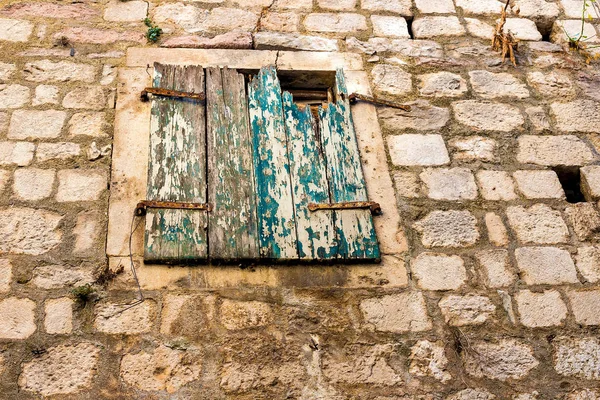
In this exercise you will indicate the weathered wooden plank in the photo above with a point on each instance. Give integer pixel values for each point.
(315, 230)
(232, 224)
(276, 226)
(177, 168)
(354, 228)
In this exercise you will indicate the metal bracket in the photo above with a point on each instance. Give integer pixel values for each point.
(170, 93)
(142, 206)
(354, 97)
(347, 205)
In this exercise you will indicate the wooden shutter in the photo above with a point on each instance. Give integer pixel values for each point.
(259, 159)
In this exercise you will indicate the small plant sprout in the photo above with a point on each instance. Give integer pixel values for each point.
(83, 294)
(579, 41)
(154, 31)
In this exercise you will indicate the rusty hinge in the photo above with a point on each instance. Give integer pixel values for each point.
(354, 97)
(140, 208)
(347, 205)
(170, 93)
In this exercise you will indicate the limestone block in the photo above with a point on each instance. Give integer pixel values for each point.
(61, 71)
(472, 148)
(577, 116)
(407, 184)
(442, 84)
(89, 123)
(111, 319)
(537, 224)
(401, 7)
(109, 73)
(59, 276)
(590, 182)
(488, 116)
(579, 357)
(539, 184)
(243, 377)
(545, 266)
(57, 151)
(538, 118)
(29, 231)
(452, 228)
(496, 230)
(551, 83)
(492, 85)
(90, 97)
(187, 16)
(432, 27)
(293, 4)
(584, 219)
(435, 7)
(4, 177)
(228, 40)
(237, 315)
(6, 70)
(31, 124)
(479, 29)
(496, 185)
(391, 79)
(82, 34)
(80, 185)
(414, 149)
(485, 7)
(177, 368)
(472, 394)
(553, 150)
(5, 275)
(33, 183)
(292, 41)
(19, 153)
(400, 312)
(428, 359)
(495, 268)
(50, 10)
(18, 316)
(584, 394)
(436, 271)
(466, 310)
(339, 23)
(541, 309)
(63, 369)
(585, 305)
(58, 315)
(507, 359)
(562, 30)
(13, 96)
(15, 30)
(338, 5)
(449, 183)
(588, 263)
(363, 366)
(423, 117)
(130, 11)
(227, 19)
(522, 29)
(282, 22)
(45, 94)
(85, 231)
(390, 26)
(542, 11)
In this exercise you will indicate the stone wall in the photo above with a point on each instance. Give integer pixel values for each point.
(493, 294)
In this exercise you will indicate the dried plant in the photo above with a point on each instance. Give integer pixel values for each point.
(505, 41)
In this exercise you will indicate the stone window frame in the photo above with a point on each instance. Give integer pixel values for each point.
(130, 165)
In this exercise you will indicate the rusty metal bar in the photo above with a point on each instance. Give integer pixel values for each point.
(348, 205)
(354, 97)
(170, 93)
(308, 94)
(140, 208)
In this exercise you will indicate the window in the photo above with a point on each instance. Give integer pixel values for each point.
(255, 160)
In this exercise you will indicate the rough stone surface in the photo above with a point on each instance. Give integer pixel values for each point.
(539, 184)
(89, 123)
(395, 27)
(442, 84)
(370, 366)
(466, 310)
(507, 359)
(283, 22)
(33, 183)
(590, 182)
(45, 94)
(428, 359)
(189, 17)
(584, 304)
(61, 71)
(585, 220)
(537, 224)
(431, 27)
(6, 70)
(276, 40)
(13, 96)
(177, 368)
(91, 97)
(229, 40)
(244, 314)
(15, 30)
(57, 151)
(401, 312)
(553, 150)
(5, 275)
(449, 183)
(396, 6)
(451, 228)
(30, 124)
(488, 116)
(490, 85)
(126, 11)
(413, 149)
(340, 23)
(111, 319)
(28, 231)
(50, 10)
(58, 315)
(495, 268)
(538, 118)
(485, 7)
(577, 116)
(478, 28)
(423, 117)
(472, 394)
(588, 263)
(496, 185)
(99, 36)
(407, 184)
(545, 265)
(436, 271)
(541, 309)
(551, 83)
(18, 318)
(435, 7)
(391, 79)
(471, 148)
(59, 276)
(578, 358)
(80, 185)
(63, 369)
(19, 153)
(522, 29)
(85, 231)
(563, 30)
